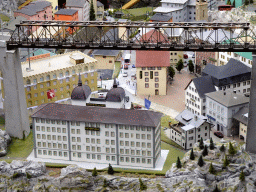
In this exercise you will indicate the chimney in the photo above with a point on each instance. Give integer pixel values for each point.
(195, 117)
(234, 91)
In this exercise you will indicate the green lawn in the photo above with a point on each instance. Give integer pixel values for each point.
(2, 121)
(4, 18)
(20, 148)
(117, 69)
(138, 11)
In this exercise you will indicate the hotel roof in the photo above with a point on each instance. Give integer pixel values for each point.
(57, 111)
(53, 63)
(66, 12)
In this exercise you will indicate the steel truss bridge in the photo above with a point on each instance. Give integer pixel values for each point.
(187, 36)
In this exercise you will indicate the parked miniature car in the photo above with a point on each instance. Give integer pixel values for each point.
(125, 74)
(133, 66)
(137, 107)
(219, 134)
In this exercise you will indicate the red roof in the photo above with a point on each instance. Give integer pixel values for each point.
(153, 35)
(152, 58)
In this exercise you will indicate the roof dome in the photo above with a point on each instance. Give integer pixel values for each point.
(116, 94)
(81, 92)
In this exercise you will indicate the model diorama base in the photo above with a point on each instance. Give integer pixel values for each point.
(87, 165)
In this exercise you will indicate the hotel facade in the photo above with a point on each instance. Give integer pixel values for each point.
(97, 134)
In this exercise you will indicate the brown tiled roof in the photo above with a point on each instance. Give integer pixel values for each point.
(152, 58)
(154, 36)
(57, 111)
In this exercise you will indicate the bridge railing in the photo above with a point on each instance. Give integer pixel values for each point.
(191, 36)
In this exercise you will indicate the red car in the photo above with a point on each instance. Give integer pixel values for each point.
(137, 107)
(219, 134)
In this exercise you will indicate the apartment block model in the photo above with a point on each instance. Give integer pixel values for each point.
(97, 134)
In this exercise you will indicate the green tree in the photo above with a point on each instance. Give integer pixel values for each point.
(211, 169)
(234, 3)
(201, 144)
(178, 163)
(92, 12)
(205, 151)
(231, 149)
(226, 162)
(142, 185)
(216, 189)
(179, 65)
(94, 172)
(200, 161)
(192, 156)
(246, 2)
(211, 144)
(110, 170)
(228, 2)
(191, 66)
(105, 183)
(222, 148)
(171, 71)
(132, 107)
(242, 176)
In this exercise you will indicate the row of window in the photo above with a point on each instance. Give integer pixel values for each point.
(131, 127)
(93, 156)
(191, 88)
(132, 144)
(193, 111)
(192, 138)
(138, 152)
(152, 68)
(236, 85)
(190, 102)
(193, 97)
(147, 85)
(54, 76)
(73, 123)
(218, 116)
(131, 135)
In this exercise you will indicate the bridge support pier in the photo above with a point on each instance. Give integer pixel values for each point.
(251, 128)
(15, 105)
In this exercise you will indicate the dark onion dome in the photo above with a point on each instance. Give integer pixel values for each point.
(81, 92)
(116, 94)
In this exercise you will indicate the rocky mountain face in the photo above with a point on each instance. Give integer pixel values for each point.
(32, 176)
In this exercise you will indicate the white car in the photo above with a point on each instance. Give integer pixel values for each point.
(125, 74)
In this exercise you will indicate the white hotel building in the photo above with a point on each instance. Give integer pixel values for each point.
(97, 134)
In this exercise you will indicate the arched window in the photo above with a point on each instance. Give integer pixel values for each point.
(48, 77)
(41, 79)
(54, 76)
(28, 82)
(86, 68)
(67, 73)
(29, 96)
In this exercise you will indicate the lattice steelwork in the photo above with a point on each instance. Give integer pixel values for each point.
(134, 35)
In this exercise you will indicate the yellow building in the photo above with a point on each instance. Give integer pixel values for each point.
(100, 11)
(241, 119)
(106, 58)
(60, 73)
(54, 5)
(175, 56)
(151, 72)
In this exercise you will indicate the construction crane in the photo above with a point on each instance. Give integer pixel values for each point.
(130, 4)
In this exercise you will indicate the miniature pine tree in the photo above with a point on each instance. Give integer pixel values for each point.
(222, 148)
(211, 144)
(190, 66)
(242, 176)
(142, 185)
(205, 151)
(226, 162)
(192, 156)
(231, 149)
(94, 172)
(211, 169)
(179, 65)
(216, 189)
(178, 163)
(228, 2)
(201, 144)
(200, 161)
(92, 12)
(110, 170)
(105, 183)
